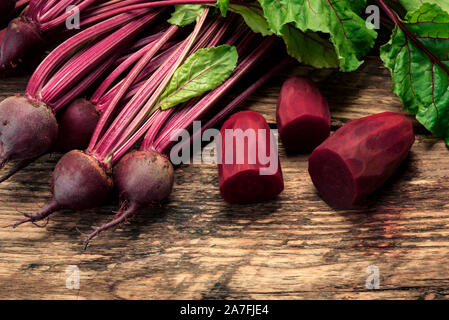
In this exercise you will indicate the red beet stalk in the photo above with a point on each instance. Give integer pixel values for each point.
(360, 157)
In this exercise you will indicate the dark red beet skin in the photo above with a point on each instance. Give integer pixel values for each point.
(7, 8)
(360, 157)
(78, 182)
(76, 125)
(144, 178)
(28, 129)
(244, 182)
(21, 41)
(302, 115)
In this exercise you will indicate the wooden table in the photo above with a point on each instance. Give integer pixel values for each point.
(198, 247)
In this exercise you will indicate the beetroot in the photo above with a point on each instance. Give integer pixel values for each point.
(76, 125)
(359, 157)
(144, 178)
(21, 41)
(302, 114)
(78, 182)
(242, 179)
(28, 128)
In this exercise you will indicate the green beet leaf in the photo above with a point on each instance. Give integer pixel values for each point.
(358, 6)
(223, 5)
(203, 71)
(186, 14)
(412, 5)
(253, 17)
(348, 31)
(306, 47)
(309, 48)
(418, 80)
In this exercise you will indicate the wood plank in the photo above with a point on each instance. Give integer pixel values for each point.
(196, 246)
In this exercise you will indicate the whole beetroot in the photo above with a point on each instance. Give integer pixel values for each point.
(21, 42)
(144, 178)
(249, 170)
(76, 125)
(20, 119)
(359, 157)
(302, 115)
(78, 182)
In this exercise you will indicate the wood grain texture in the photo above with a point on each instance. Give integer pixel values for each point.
(196, 246)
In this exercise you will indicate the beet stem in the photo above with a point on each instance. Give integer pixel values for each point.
(68, 75)
(83, 85)
(65, 50)
(124, 65)
(128, 82)
(62, 18)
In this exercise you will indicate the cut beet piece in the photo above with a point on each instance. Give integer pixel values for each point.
(359, 157)
(249, 170)
(302, 115)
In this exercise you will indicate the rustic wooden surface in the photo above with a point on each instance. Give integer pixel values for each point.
(198, 247)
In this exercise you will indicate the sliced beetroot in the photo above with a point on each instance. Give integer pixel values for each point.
(20, 119)
(302, 114)
(244, 176)
(76, 125)
(22, 41)
(359, 157)
(78, 182)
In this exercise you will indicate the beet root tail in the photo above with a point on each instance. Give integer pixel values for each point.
(43, 213)
(17, 167)
(3, 162)
(118, 220)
